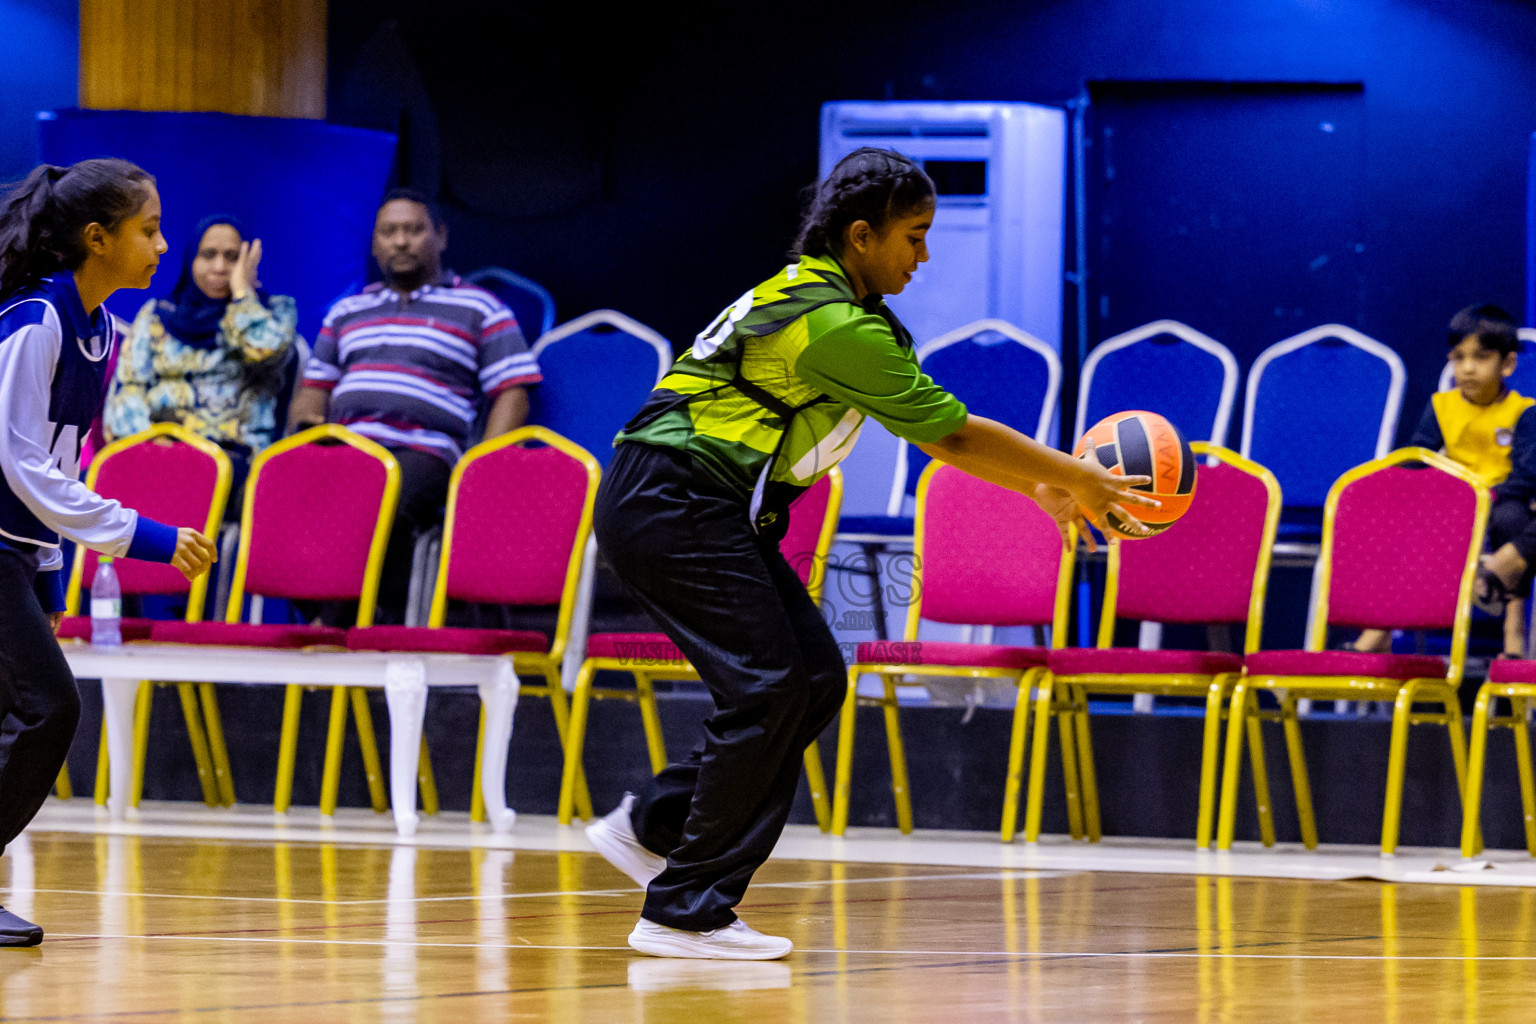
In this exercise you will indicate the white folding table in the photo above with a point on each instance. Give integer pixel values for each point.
(404, 678)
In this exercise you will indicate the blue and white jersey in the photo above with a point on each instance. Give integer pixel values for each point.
(53, 379)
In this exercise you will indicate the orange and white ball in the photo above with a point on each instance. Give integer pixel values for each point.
(1145, 444)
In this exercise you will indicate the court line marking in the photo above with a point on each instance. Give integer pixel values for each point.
(358, 828)
(991, 876)
(805, 974)
(325, 903)
(967, 953)
(292, 930)
(610, 892)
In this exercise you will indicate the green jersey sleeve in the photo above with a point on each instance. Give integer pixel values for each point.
(857, 360)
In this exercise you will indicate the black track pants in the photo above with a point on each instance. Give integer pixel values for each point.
(39, 704)
(682, 544)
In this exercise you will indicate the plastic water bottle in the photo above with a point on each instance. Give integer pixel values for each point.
(106, 606)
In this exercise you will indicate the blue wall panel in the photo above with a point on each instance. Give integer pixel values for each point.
(308, 189)
(39, 70)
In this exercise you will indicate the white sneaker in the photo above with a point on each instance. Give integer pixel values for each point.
(613, 836)
(736, 941)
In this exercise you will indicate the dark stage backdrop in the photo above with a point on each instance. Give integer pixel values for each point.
(1238, 210)
(650, 162)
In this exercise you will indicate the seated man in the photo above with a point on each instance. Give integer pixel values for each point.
(405, 363)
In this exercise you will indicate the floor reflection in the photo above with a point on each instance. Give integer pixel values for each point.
(656, 974)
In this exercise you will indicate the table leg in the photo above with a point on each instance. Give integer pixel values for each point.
(405, 690)
(498, 696)
(117, 698)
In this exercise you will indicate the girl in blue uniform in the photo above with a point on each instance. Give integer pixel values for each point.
(69, 238)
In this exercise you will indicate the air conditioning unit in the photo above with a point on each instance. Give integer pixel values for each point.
(996, 244)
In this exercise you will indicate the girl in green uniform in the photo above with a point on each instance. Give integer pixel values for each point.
(690, 512)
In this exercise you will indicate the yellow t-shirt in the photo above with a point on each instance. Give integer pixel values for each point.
(1480, 436)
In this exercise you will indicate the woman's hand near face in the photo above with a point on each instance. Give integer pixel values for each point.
(242, 277)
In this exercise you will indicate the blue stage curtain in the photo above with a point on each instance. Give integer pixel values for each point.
(308, 189)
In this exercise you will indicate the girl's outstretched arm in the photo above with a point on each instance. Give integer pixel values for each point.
(1001, 455)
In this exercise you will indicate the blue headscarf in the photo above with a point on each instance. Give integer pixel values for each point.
(188, 314)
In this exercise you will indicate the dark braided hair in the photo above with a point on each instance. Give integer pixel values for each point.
(42, 220)
(873, 185)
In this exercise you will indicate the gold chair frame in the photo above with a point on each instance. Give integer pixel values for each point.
(1245, 715)
(894, 675)
(199, 704)
(1068, 695)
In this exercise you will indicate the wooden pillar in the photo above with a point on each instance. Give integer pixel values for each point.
(236, 56)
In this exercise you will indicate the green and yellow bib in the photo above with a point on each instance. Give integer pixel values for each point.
(767, 420)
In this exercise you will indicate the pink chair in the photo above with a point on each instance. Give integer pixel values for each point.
(1400, 551)
(651, 656)
(519, 514)
(1211, 567)
(176, 477)
(986, 556)
(1515, 681)
(318, 510)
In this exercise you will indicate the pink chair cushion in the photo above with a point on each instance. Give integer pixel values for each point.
(1399, 544)
(990, 556)
(225, 634)
(445, 639)
(78, 627)
(1345, 663)
(1201, 568)
(1511, 670)
(647, 647)
(312, 520)
(168, 481)
(515, 517)
(1128, 661)
(934, 652)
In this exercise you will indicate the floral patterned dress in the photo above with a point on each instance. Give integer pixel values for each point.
(227, 392)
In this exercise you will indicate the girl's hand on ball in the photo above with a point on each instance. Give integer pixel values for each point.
(1102, 492)
(1062, 506)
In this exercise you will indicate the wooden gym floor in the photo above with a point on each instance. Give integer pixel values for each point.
(246, 919)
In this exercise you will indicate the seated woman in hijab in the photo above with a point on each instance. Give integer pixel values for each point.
(212, 356)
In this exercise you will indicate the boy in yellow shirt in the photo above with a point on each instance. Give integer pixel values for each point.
(1491, 430)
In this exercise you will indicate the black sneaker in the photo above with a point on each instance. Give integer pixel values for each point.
(16, 932)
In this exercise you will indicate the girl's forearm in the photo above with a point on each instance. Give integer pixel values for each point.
(1003, 456)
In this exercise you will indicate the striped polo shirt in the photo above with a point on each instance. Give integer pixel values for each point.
(409, 371)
